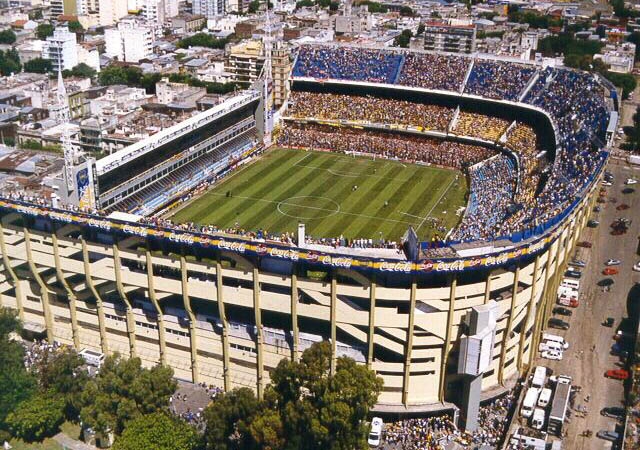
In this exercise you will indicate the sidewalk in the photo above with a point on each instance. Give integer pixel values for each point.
(71, 444)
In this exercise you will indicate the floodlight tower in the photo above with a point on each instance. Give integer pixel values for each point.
(64, 117)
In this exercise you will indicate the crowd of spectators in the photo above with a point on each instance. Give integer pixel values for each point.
(434, 71)
(491, 196)
(347, 63)
(369, 109)
(480, 126)
(435, 433)
(411, 149)
(522, 140)
(498, 79)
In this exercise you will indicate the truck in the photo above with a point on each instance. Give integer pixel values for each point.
(634, 159)
(537, 420)
(545, 397)
(529, 402)
(555, 338)
(529, 439)
(559, 407)
(539, 377)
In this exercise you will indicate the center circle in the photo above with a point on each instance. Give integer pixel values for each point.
(308, 207)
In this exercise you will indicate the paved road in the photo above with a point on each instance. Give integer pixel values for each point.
(589, 354)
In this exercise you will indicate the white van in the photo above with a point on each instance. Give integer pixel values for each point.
(529, 402)
(539, 377)
(545, 397)
(545, 346)
(555, 338)
(375, 435)
(537, 421)
(570, 283)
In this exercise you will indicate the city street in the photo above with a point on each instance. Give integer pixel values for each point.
(590, 341)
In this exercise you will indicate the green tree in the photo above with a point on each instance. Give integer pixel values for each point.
(157, 431)
(35, 15)
(406, 11)
(10, 62)
(44, 30)
(83, 70)
(7, 36)
(227, 419)
(254, 6)
(75, 26)
(305, 3)
(149, 80)
(202, 40)
(403, 39)
(61, 372)
(38, 65)
(635, 38)
(122, 391)
(420, 29)
(16, 384)
(120, 75)
(36, 418)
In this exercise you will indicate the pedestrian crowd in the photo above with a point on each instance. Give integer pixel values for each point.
(38, 351)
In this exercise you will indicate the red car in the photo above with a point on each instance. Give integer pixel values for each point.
(622, 207)
(617, 374)
(610, 271)
(585, 244)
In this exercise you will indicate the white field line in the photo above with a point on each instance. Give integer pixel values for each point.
(436, 204)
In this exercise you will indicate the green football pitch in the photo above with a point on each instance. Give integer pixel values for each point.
(333, 194)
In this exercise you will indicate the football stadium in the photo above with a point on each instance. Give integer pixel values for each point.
(400, 195)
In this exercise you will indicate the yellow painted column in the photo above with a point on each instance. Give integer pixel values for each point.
(131, 321)
(446, 347)
(527, 320)
(72, 296)
(156, 305)
(259, 338)
(372, 321)
(332, 317)
(406, 381)
(44, 289)
(193, 337)
(295, 356)
(507, 332)
(225, 327)
(101, 319)
(544, 296)
(15, 281)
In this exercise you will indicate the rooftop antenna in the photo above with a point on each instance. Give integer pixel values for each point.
(64, 117)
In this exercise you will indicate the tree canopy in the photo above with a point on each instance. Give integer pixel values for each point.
(38, 65)
(9, 62)
(202, 40)
(44, 30)
(36, 418)
(82, 70)
(124, 390)
(157, 431)
(403, 39)
(7, 36)
(305, 407)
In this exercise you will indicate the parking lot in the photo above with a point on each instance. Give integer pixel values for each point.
(589, 355)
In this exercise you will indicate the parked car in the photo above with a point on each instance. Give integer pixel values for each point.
(607, 435)
(618, 231)
(562, 311)
(628, 190)
(602, 200)
(622, 207)
(617, 412)
(578, 263)
(552, 354)
(636, 267)
(617, 374)
(573, 274)
(375, 433)
(585, 244)
(607, 183)
(597, 209)
(593, 223)
(608, 322)
(610, 271)
(558, 323)
(612, 262)
(630, 181)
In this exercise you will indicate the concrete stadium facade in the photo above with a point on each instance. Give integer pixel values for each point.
(227, 319)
